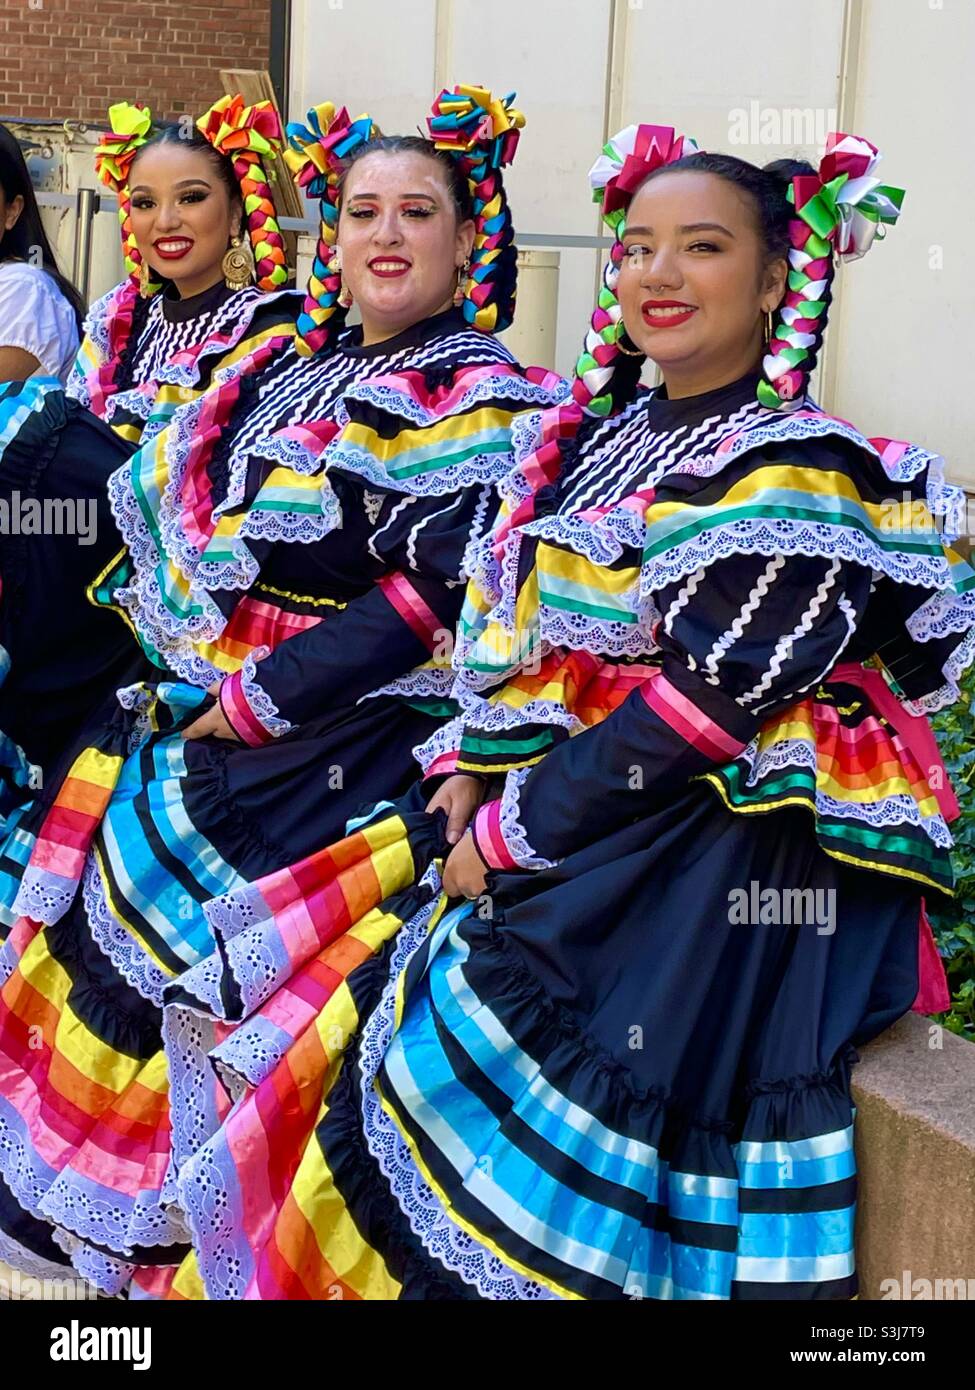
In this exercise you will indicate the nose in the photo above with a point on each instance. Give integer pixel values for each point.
(168, 216)
(386, 229)
(660, 271)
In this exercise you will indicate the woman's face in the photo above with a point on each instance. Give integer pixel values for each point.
(693, 287)
(400, 239)
(182, 215)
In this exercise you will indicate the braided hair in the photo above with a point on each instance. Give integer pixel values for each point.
(317, 155)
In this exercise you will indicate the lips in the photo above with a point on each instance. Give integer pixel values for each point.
(666, 313)
(172, 248)
(389, 267)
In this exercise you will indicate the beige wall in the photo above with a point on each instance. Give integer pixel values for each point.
(758, 77)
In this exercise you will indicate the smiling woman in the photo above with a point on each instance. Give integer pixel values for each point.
(198, 296)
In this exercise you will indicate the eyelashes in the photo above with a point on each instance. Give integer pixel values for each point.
(143, 204)
(636, 252)
(421, 214)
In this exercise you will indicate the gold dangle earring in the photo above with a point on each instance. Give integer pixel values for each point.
(335, 268)
(768, 326)
(463, 278)
(145, 280)
(238, 265)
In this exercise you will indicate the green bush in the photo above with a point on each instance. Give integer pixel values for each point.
(954, 923)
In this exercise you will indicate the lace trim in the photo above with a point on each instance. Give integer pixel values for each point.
(941, 615)
(109, 1275)
(798, 754)
(43, 896)
(263, 708)
(514, 833)
(111, 938)
(188, 1039)
(473, 472)
(24, 1262)
(481, 715)
(401, 403)
(419, 684)
(429, 1222)
(954, 669)
(444, 740)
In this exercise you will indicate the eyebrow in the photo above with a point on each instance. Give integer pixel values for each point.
(688, 227)
(183, 183)
(402, 196)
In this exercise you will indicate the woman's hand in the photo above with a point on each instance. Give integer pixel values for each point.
(464, 874)
(460, 797)
(214, 723)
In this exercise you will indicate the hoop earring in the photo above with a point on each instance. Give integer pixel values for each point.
(463, 279)
(627, 352)
(238, 265)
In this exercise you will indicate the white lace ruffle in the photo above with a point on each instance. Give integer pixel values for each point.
(444, 740)
(418, 685)
(261, 706)
(514, 833)
(128, 957)
(399, 402)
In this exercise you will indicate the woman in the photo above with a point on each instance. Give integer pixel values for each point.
(319, 509)
(622, 1069)
(40, 310)
(197, 295)
(183, 197)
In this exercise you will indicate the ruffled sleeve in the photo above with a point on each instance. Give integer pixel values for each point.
(429, 455)
(737, 645)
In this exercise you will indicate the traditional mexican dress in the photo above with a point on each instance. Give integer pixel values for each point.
(623, 1072)
(316, 512)
(179, 344)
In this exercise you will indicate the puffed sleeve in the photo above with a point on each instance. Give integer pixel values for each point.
(740, 640)
(404, 620)
(35, 317)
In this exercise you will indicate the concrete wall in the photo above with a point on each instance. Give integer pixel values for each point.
(760, 78)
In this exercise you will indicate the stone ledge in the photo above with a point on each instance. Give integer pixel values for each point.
(915, 1139)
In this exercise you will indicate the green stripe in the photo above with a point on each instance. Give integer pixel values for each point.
(728, 515)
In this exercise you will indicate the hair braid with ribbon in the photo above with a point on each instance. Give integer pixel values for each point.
(838, 211)
(249, 136)
(131, 126)
(481, 131)
(316, 157)
(626, 161)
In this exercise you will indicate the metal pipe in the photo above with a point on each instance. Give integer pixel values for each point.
(84, 218)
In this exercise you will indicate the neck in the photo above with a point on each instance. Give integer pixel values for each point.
(688, 379)
(374, 332)
(186, 289)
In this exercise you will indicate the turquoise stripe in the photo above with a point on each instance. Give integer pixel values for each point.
(795, 1235)
(810, 1162)
(815, 1269)
(146, 883)
(695, 1197)
(583, 1235)
(700, 1272)
(568, 1127)
(18, 407)
(589, 593)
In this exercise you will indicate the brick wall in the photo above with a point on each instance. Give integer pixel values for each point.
(71, 58)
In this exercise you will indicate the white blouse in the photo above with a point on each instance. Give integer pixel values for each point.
(36, 317)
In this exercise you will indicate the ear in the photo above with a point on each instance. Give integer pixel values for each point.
(466, 233)
(774, 284)
(14, 208)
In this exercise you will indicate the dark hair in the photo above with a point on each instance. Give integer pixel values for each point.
(171, 133)
(27, 233)
(457, 182)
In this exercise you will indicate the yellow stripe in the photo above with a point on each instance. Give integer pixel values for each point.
(187, 1282)
(451, 428)
(301, 598)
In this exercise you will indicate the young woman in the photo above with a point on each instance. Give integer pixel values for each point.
(622, 1070)
(297, 536)
(198, 295)
(40, 310)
